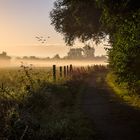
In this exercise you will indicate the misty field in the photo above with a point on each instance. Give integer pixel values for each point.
(49, 63)
(35, 107)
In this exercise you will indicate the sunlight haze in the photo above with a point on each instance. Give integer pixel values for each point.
(22, 21)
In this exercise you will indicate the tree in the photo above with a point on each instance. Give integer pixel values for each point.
(3, 55)
(77, 19)
(92, 19)
(88, 51)
(124, 56)
(56, 56)
(122, 21)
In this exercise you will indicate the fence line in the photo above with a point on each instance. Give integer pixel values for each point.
(66, 71)
(62, 71)
(69, 70)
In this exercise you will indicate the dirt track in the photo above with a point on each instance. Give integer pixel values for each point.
(112, 118)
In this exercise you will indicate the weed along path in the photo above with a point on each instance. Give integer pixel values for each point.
(112, 118)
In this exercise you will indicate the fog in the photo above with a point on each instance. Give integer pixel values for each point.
(49, 63)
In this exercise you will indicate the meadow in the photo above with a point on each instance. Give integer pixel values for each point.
(35, 107)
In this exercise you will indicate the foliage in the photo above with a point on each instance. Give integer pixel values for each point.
(4, 56)
(88, 51)
(77, 19)
(56, 56)
(87, 19)
(124, 56)
(121, 91)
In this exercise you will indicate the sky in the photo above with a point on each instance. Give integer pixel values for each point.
(22, 20)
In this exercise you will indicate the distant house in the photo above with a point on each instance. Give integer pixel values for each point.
(75, 53)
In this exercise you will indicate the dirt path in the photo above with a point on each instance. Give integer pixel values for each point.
(113, 119)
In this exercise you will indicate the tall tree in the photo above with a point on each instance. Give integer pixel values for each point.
(56, 56)
(77, 19)
(88, 51)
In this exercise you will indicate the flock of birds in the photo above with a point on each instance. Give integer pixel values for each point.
(41, 39)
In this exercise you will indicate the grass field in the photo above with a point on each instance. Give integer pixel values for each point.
(34, 107)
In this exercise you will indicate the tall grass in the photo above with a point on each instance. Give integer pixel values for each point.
(33, 107)
(122, 91)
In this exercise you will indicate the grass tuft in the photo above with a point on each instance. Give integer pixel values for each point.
(122, 91)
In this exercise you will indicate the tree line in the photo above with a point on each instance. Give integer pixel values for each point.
(87, 53)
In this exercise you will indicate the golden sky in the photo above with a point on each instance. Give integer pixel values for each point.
(22, 20)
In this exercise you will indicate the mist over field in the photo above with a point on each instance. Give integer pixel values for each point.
(49, 63)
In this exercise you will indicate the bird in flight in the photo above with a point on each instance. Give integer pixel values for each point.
(42, 39)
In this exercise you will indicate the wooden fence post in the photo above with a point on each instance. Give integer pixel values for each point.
(60, 71)
(67, 70)
(54, 72)
(71, 68)
(64, 71)
(88, 68)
